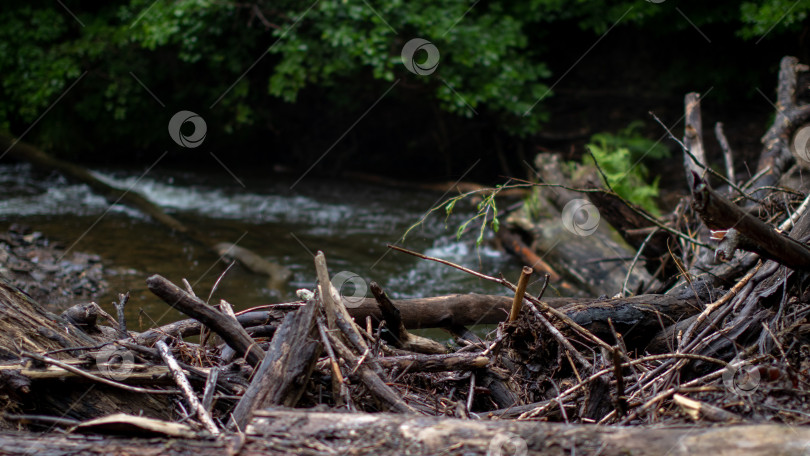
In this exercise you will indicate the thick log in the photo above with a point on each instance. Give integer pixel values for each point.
(776, 155)
(754, 235)
(232, 333)
(287, 432)
(284, 372)
(388, 434)
(25, 325)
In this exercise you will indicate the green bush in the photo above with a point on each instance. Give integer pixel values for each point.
(621, 157)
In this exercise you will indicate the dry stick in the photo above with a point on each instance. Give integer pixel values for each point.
(728, 158)
(470, 396)
(337, 377)
(123, 298)
(693, 136)
(185, 387)
(787, 224)
(543, 306)
(669, 392)
(333, 305)
(594, 376)
(210, 387)
(77, 371)
(621, 399)
(229, 330)
(705, 168)
(687, 335)
(561, 339)
(517, 303)
(635, 259)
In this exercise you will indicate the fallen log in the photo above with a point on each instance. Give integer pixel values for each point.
(26, 152)
(282, 375)
(287, 432)
(388, 434)
(754, 235)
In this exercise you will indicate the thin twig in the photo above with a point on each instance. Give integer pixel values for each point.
(77, 371)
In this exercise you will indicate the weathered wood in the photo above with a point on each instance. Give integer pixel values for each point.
(776, 155)
(396, 334)
(693, 137)
(434, 363)
(369, 377)
(718, 213)
(233, 334)
(185, 387)
(191, 327)
(283, 373)
(388, 434)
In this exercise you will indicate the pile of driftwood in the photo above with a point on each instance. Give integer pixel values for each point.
(709, 326)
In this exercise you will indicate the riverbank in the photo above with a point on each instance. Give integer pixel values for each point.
(52, 274)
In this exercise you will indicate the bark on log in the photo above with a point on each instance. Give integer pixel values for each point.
(433, 363)
(776, 154)
(388, 434)
(285, 369)
(755, 235)
(25, 325)
(287, 432)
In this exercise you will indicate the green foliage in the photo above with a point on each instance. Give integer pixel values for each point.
(621, 157)
(493, 54)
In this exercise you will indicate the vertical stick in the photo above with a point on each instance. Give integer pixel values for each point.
(517, 303)
(185, 386)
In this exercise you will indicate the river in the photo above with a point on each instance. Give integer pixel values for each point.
(351, 223)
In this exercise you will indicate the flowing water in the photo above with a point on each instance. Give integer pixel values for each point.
(351, 223)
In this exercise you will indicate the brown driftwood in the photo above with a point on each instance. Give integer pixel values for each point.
(776, 152)
(232, 333)
(754, 235)
(287, 432)
(388, 434)
(396, 335)
(25, 325)
(21, 150)
(433, 363)
(284, 372)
